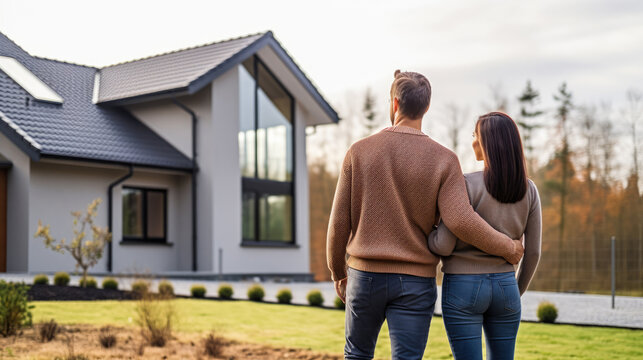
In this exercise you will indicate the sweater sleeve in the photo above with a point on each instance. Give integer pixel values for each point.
(442, 241)
(339, 224)
(533, 240)
(458, 215)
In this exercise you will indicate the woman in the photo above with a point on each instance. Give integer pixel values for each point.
(481, 290)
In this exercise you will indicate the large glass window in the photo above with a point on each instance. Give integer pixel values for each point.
(265, 155)
(144, 214)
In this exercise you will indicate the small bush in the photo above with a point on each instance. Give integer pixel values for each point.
(166, 289)
(339, 304)
(213, 345)
(256, 293)
(61, 279)
(140, 287)
(198, 291)
(41, 279)
(107, 338)
(48, 330)
(226, 291)
(284, 296)
(90, 282)
(315, 298)
(15, 312)
(110, 283)
(156, 317)
(547, 312)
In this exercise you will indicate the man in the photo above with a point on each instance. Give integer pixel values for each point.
(392, 189)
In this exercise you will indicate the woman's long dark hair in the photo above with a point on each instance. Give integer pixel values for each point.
(505, 173)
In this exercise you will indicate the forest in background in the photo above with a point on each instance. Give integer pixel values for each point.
(582, 157)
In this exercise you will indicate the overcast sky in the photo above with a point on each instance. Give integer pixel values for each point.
(345, 46)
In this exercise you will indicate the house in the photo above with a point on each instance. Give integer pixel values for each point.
(199, 156)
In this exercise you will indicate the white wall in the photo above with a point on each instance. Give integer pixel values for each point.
(175, 125)
(17, 206)
(59, 187)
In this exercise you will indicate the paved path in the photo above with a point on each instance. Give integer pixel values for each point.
(572, 308)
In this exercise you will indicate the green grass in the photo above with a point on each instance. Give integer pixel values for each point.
(323, 330)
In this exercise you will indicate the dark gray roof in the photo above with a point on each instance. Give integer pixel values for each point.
(166, 72)
(76, 129)
(189, 70)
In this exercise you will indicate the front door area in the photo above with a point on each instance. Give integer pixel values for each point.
(3, 220)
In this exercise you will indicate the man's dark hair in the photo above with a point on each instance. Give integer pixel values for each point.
(505, 174)
(413, 92)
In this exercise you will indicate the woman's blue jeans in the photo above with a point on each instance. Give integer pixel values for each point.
(406, 302)
(471, 302)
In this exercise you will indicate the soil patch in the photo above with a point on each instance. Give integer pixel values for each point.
(83, 340)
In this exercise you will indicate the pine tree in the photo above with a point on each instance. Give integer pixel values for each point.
(370, 115)
(564, 99)
(528, 100)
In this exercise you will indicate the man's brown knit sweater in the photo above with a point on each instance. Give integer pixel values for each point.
(392, 188)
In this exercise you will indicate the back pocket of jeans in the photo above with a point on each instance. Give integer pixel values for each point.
(462, 294)
(511, 295)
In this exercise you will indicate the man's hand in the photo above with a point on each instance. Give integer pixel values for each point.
(519, 250)
(340, 289)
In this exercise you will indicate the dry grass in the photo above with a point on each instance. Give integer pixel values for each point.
(155, 317)
(107, 337)
(48, 330)
(82, 342)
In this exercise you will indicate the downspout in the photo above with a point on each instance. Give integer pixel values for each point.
(195, 169)
(109, 213)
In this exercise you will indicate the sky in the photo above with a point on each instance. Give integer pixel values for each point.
(463, 47)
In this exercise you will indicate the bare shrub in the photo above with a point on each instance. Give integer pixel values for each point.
(71, 353)
(107, 338)
(48, 330)
(155, 317)
(213, 345)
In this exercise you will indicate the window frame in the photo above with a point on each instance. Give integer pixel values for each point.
(259, 186)
(145, 239)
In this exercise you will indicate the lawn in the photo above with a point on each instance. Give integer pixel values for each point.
(323, 329)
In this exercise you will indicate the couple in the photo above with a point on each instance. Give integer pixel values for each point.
(398, 189)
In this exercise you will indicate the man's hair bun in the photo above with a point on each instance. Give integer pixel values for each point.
(397, 72)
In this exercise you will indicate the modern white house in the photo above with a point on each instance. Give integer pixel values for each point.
(199, 156)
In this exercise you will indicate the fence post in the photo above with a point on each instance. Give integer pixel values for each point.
(613, 269)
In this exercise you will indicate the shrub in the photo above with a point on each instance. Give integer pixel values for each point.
(140, 287)
(284, 296)
(155, 317)
(14, 310)
(166, 289)
(213, 345)
(48, 330)
(198, 291)
(110, 283)
(61, 279)
(89, 282)
(315, 298)
(256, 293)
(339, 304)
(41, 279)
(225, 291)
(547, 312)
(107, 338)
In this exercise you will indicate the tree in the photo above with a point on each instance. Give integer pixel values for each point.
(456, 118)
(499, 101)
(588, 124)
(635, 114)
(528, 100)
(368, 110)
(564, 99)
(85, 252)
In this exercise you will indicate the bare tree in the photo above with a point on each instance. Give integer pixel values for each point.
(456, 116)
(634, 113)
(588, 124)
(499, 100)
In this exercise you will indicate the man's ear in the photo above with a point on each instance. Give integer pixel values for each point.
(396, 105)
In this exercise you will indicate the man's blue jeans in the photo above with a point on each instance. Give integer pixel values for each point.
(473, 301)
(405, 301)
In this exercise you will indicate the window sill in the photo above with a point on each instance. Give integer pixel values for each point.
(142, 242)
(269, 244)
